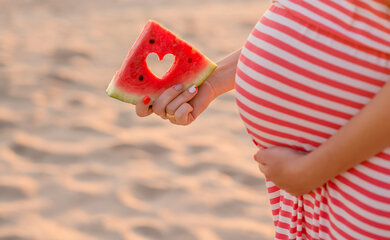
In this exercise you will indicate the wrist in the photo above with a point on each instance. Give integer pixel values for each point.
(312, 172)
(223, 78)
(212, 93)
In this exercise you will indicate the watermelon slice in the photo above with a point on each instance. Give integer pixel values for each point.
(134, 80)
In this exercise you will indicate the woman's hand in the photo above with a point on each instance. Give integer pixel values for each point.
(289, 169)
(180, 107)
(363, 136)
(183, 107)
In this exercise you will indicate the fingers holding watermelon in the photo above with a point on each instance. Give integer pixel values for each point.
(188, 110)
(143, 108)
(183, 115)
(171, 99)
(172, 104)
(180, 99)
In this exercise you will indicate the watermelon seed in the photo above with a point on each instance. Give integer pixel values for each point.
(141, 78)
(190, 60)
(151, 41)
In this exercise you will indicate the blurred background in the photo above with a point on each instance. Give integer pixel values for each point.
(76, 164)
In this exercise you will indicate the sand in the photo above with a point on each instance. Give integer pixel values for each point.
(76, 164)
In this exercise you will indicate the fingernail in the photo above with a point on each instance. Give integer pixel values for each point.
(193, 89)
(146, 100)
(178, 87)
(254, 157)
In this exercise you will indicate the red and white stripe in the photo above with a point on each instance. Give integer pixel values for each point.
(306, 69)
(363, 21)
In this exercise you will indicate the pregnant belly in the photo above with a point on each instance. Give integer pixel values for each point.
(284, 108)
(296, 86)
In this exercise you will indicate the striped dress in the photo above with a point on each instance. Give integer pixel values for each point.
(306, 69)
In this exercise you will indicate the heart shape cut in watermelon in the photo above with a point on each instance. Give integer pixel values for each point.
(159, 67)
(134, 80)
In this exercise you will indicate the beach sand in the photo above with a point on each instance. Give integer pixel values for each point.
(76, 164)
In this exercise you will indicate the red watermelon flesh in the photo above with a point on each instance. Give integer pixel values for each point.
(134, 80)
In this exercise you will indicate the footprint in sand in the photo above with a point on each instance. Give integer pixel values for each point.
(4, 220)
(234, 234)
(13, 237)
(5, 84)
(16, 101)
(65, 56)
(154, 149)
(6, 125)
(180, 233)
(98, 230)
(230, 208)
(244, 178)
(196, 149)
(199, 168)
(238, 176)
(88, 131)
(60, 78)
(149, 232)
(11, 193)
(41, 156)
(122, 149)
(174, 233)
(91, 176)
(150, 148)
(153, 191)
(28, 152)
(75, 102)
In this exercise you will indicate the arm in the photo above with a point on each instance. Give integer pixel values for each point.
(363, 136)
(226, 74)
(186, 106)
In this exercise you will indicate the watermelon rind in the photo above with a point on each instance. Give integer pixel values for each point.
(116, 92)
